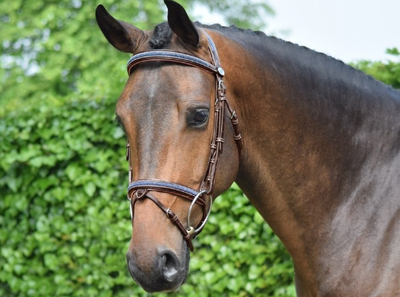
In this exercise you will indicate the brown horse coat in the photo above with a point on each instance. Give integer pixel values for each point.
(320, 161)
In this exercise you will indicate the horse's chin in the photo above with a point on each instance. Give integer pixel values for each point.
(167, 274)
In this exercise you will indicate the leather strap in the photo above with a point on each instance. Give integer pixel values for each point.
(166, 187)
(169, 56)
(140, 189)
(169, 213)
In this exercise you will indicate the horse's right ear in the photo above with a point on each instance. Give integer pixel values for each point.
(121, 35)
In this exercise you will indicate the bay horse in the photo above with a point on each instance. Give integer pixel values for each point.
(313, 143)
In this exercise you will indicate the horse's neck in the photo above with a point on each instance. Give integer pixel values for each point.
(311, 141)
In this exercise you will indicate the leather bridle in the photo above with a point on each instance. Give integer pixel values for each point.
(141, 189)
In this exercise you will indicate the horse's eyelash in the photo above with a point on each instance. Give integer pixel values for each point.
(119, 121)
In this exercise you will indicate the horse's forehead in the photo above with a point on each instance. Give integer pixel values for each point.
(143, 87)
(164, 81)
(148, 85)
(156, 91)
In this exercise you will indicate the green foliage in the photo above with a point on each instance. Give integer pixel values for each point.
(61, 231)
(65, 226)
(387, 72)
(54, 48)
(239, 14)
(239, 255)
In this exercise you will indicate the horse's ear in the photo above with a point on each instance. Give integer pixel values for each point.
(181, 24)
(121, 35)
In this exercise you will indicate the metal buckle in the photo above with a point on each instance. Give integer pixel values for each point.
(138, 189)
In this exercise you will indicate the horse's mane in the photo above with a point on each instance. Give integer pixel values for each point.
(162, 35)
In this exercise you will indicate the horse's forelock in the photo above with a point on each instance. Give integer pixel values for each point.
(161, 36)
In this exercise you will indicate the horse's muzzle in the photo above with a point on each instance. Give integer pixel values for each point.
(165, 272)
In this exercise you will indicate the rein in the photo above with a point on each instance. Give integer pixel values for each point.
(140, 189)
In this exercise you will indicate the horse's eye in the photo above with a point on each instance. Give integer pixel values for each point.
(198, 117)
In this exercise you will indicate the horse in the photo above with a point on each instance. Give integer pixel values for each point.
(312, 142)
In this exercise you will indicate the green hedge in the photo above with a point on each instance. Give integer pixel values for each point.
(387, 72)
(65, 223)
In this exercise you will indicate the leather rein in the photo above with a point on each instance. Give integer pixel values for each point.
(141, 189)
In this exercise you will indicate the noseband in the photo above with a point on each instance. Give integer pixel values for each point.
(141, 189)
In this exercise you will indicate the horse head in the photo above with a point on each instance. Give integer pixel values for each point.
(168, 110)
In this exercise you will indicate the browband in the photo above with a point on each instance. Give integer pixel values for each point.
(140, 189)
(169, 56)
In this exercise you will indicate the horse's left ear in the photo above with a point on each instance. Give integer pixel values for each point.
(181, 24)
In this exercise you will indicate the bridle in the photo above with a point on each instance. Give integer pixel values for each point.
(141, 189)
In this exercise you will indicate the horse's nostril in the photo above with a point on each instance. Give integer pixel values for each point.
(169, 265)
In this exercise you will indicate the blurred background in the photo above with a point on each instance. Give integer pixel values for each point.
(64, 220)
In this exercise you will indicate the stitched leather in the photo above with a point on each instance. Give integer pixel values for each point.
(166, 187)
(169, 56)
(140, 189)
(170, 214)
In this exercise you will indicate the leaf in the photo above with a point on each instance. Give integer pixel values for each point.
(78, 251)
(393, 51)
(90, 188)
(50, 260)
(73, 171)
